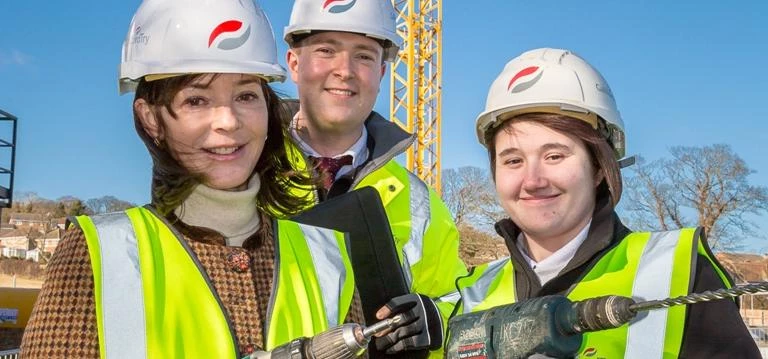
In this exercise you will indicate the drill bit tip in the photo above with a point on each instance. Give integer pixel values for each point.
(383, 326)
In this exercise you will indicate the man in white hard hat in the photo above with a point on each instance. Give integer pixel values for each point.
(337, 58)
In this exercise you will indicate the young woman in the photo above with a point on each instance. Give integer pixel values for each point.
(206, 270)
(554, 135)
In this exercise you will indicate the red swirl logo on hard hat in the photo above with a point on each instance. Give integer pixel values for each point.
(589, 352)
(338, 6)
(231, 27)
(523, 80)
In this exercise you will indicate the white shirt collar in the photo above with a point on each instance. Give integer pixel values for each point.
(358, 151)
(551, 266)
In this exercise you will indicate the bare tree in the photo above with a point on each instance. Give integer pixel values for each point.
(709, 184)
(471, 197)
(479, 247)
(108, 204)
(650, 199)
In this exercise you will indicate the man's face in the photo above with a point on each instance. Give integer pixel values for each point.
(338, 76)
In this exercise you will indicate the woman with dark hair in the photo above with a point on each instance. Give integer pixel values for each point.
(207, 269)
(554, 137)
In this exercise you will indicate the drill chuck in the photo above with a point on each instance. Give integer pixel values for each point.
(599, 313)
(342, 342)
(346, 341)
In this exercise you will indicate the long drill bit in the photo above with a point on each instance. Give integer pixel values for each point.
(701, 297)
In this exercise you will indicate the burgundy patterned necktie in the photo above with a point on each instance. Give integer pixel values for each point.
(327, 167)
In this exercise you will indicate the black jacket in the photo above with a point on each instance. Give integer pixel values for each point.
(712, 329)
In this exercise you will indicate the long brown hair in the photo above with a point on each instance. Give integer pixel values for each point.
(600, 152)
(172, 183)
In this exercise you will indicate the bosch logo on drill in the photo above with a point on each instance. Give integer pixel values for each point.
(522, 80)
(472, 333)
(473, 351)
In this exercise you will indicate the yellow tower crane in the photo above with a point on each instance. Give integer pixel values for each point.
(415, 84)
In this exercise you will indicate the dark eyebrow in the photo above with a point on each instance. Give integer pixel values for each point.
(545, 147)
(323, 41)
(243, 81)
(508, 150)
(366, 47)
(334, 42)
(200, 85)
(556, 146)
(248, 80)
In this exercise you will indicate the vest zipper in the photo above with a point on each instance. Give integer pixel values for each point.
(275, 283)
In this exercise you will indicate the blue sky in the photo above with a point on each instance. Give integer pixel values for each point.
(684, 73)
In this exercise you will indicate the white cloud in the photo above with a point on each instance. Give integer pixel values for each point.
(14, 57)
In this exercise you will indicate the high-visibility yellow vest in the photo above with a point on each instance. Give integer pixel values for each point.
(154, 300)
(426, 238)
(644, 266)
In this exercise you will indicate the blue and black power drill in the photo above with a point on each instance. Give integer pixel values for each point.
(553, 326)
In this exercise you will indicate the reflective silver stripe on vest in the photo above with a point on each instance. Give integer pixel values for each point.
(476, 293)
(329, 267)
(451, 297)
(420, 215)
(122, 294)
(653, 279)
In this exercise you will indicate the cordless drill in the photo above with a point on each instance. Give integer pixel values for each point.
(346, 341)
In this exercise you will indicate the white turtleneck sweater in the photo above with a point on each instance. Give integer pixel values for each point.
(231, 213)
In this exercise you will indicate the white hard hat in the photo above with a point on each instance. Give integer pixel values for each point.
(553, 81)
(373, 18)
(170, 37)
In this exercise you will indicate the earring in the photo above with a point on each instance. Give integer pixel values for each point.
(156, 141)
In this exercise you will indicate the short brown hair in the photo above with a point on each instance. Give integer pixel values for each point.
(172, 183)
(600, 152)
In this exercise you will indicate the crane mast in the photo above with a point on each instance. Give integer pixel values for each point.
(415, 84)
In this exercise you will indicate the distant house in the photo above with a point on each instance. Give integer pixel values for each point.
(29, 242)
(16, 243)
(28, 219)
(50, 240)
(745, 267)
(33, 254)
(14, 253)
(58, 223)
(6, 228)
(19, 238)
(748, 268)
